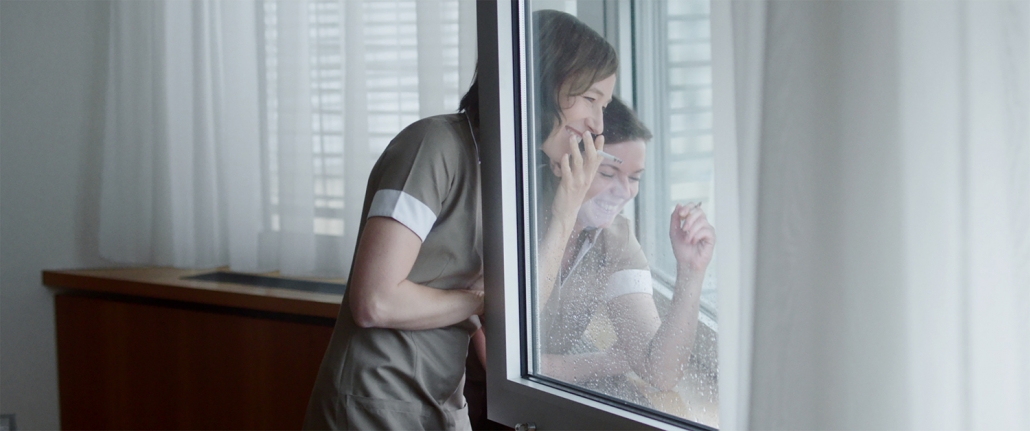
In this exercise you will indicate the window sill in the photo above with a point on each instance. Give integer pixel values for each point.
(171, 284)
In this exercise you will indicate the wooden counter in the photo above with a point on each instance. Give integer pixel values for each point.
(145, 348)
(172, 284)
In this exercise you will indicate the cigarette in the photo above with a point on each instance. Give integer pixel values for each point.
(609, 156)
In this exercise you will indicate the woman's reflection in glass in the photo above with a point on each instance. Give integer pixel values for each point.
(574, 70)
(604, 269)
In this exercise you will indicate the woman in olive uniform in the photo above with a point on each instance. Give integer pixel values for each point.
(605, 270)
(396, 359)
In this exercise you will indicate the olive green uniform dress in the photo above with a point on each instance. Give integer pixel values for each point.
(389, 379)
(609, 263)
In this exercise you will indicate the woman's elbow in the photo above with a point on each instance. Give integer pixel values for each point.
(365, 316)
(663, 381)
(368, 311)
(664, 385)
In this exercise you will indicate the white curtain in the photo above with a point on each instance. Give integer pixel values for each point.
(241, 133)
(879, 157)
(738, 38)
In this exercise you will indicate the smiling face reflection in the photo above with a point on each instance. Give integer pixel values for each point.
(583, 113)
(614, 185)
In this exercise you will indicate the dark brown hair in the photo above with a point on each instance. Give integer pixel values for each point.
(567, 55)
(469, 104)
(621, 124)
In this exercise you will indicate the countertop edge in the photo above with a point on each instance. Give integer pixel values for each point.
(167, 284)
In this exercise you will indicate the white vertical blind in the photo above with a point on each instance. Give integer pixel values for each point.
(356, 158)
(261, 125)
(430, 56)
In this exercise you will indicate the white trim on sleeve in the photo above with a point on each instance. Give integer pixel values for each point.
(629, 281)
(405, 208)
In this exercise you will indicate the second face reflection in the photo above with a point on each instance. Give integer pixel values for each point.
(614, 184)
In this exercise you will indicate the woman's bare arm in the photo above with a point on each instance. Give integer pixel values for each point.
(381, 296)
(586, 366)
(658, 350)
(577, 172)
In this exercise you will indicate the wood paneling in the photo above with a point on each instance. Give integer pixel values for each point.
(168, 283)
(135, 363)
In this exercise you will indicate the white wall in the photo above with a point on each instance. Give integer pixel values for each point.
(52, 61)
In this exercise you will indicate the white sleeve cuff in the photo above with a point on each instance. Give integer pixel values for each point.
(629, 281)
(405, 208)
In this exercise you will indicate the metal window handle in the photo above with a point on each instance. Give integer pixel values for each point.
(528, 426)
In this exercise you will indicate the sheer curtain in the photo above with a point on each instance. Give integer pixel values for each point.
(241, 133)
(878, 155)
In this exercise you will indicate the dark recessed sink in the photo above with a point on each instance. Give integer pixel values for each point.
(266, 281)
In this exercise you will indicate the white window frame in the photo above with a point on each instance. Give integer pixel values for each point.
(515, 399)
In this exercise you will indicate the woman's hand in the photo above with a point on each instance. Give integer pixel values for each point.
(577, 170)
(693, 238)
(381, 296)
(477, 287)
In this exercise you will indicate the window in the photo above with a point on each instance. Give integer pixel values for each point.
(664, 49)
(308, 55)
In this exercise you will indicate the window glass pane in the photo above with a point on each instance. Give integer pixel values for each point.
(622, 299)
